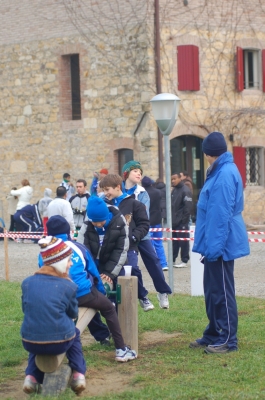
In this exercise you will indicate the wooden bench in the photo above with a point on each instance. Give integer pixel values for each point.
(57, 375)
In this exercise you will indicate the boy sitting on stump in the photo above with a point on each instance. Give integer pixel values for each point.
(49, 305)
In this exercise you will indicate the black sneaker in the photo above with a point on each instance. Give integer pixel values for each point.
(218, 349)
(106, 341)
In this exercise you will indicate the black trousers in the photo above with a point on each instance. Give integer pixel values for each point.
(98, 301)
(183, 245)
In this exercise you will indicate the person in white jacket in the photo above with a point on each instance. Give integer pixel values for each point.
(60, 206)
(24, 194)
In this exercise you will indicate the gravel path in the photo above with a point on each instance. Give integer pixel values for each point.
(249, 271)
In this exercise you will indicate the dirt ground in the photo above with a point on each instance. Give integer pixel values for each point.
(99, 381)
(22, 262)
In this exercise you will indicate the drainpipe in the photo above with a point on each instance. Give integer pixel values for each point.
(158, 84)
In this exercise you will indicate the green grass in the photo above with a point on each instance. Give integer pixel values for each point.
(167, 369)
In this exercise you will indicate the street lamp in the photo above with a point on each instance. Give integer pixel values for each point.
(165, 108)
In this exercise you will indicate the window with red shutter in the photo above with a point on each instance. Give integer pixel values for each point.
(188, 67)
(249, 69)
(240, 69)
(239, 154)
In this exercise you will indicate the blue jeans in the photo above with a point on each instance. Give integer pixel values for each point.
(153, 266)
(158, 245)
(73, 349)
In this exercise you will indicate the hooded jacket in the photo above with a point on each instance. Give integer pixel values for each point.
(79, 204)
(220, 229)
(181, 205)
(24, 195)
(163, 204)
(44, 202)
(155, 205)
(113, 251)
(83, 270)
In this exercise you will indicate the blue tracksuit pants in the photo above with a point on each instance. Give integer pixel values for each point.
(158, 245)
(220, 302)
(73, 349)
(153, 266)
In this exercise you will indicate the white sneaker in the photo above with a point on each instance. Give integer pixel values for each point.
(163, 300)
(146, 304)
(125, 355)
(78, 382)
(181, 265)
(30, 385)
(165, 268)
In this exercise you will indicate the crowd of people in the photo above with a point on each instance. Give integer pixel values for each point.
(113, 222)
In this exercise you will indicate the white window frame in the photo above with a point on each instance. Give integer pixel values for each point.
(256, 68)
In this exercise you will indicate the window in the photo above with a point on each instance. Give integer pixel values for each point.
(188, 67)
(75, 87)
(250, 69)
(70, 87)
(254, 166)
(124, 155)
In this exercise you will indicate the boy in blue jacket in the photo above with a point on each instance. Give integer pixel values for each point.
(49, 305)
(90, 292)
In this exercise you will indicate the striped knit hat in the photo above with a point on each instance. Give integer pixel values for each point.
(55, 252)
(129, 166)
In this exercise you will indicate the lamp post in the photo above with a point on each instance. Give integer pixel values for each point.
(165, 108)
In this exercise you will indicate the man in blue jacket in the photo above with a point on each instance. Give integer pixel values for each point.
(220, 237)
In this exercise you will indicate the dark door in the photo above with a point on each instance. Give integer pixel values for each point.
(186, 155)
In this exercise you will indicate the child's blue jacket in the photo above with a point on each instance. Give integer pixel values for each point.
(83, 270)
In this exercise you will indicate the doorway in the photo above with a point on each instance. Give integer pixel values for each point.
(186, 155)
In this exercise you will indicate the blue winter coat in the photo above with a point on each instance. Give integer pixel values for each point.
(220, 229)
(49, 305)
(83, 271)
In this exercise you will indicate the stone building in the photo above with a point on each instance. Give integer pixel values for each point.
(77, 79)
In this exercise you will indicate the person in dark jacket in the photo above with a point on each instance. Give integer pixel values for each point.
(109, 242)
(159, 184)
(49, 305)
(187, 180)
(181, 205)
(155, 219)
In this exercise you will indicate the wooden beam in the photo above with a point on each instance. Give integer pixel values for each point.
(128, 310)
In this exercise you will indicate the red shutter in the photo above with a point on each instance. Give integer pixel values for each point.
(263, 69)
(240, 161)
(240, 69)
(188, 67)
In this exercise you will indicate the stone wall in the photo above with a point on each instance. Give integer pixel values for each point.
(114, 39)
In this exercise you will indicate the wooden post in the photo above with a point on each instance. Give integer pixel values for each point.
(6, 255)
(128, 310)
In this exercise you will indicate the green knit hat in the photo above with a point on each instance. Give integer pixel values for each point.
(129, 166)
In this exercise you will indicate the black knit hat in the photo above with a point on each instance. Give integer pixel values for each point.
(214, 144)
